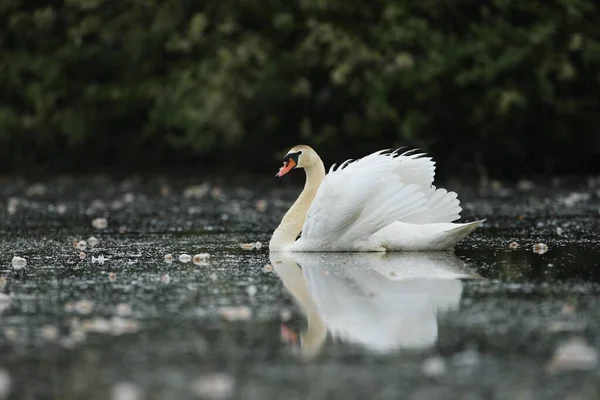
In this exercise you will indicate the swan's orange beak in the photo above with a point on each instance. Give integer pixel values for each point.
(288, 165)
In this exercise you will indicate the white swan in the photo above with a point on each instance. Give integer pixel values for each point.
(385, 201)
(381, 302)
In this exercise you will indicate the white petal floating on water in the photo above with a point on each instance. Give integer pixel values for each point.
(251, 290)
(19, 262)
(467, 358)
(261, 205)
(434, 366)
(215, 386)
(100, 223)
(241, 313)
(126, 391)
(201, 259)
(196, 191)
(123, 310)
(112, 276)
(513, 245)
(83, 306)
(575, 354)
(268, 268)
(100, 259)
(540, 248)
(168, 258)
(82, 255)
(165, 278)
(11, 205)
(49, 332)
(81, 245)
(258, 245)
(285, 315)
(92, 241)
(5, 384)
(185, 258)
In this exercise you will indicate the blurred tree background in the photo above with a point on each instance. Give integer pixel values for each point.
(503, 88)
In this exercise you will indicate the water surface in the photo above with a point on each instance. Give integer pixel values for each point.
(484, 321)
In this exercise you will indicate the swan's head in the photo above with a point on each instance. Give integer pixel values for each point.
(300, 156)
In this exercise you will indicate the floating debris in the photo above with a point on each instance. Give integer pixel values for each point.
(49, 332)
(215, 386)
(434, 366)
(2, 282)
(165, 278)
(168, 258)
(540, 248)
(5, 383)
(19, 262)
(11, 205)
(251, 290)
(121, 326)
(285, 315)
(96, 325)
(196, 191)
(11, 333)
(61, 209)
(185, 258)
(82, 255)
(126, 391)
(575, 197)
(123, 310)
(129, 198)
(241, 313)
(83, 307)
(251, 246)
(201, 259)
(100, 223)
(466, 358)
(575, 354)
(268, 268)
(100, 259)
(559, 231)
(112, 276)
(261, 205)
(214, 276)
(37, 189)
(513, 245)
(92, 241)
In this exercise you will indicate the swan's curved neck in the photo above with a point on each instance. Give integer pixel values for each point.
(291, 224)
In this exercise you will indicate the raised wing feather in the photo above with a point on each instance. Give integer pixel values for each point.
(361, 198)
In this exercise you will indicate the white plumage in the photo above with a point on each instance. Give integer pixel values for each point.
(384, 201)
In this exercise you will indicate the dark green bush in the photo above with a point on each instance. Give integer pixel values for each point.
(505, 86)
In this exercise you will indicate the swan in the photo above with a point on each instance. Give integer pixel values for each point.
(384, 201)
(381, 302)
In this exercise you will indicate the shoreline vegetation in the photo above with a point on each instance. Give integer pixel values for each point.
(501, 90)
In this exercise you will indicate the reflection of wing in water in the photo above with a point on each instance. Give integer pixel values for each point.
(380, 301)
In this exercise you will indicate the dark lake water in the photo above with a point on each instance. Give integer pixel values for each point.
(115, 320)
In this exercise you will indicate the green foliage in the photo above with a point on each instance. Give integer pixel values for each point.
(505, 86)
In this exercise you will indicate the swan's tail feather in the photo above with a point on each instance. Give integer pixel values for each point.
(442, 206)
(457, 234)
(402, 236)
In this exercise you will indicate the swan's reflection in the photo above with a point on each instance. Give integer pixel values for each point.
(383, 302)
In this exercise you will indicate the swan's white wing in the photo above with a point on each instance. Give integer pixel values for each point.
(358, 199)
(441, 206)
